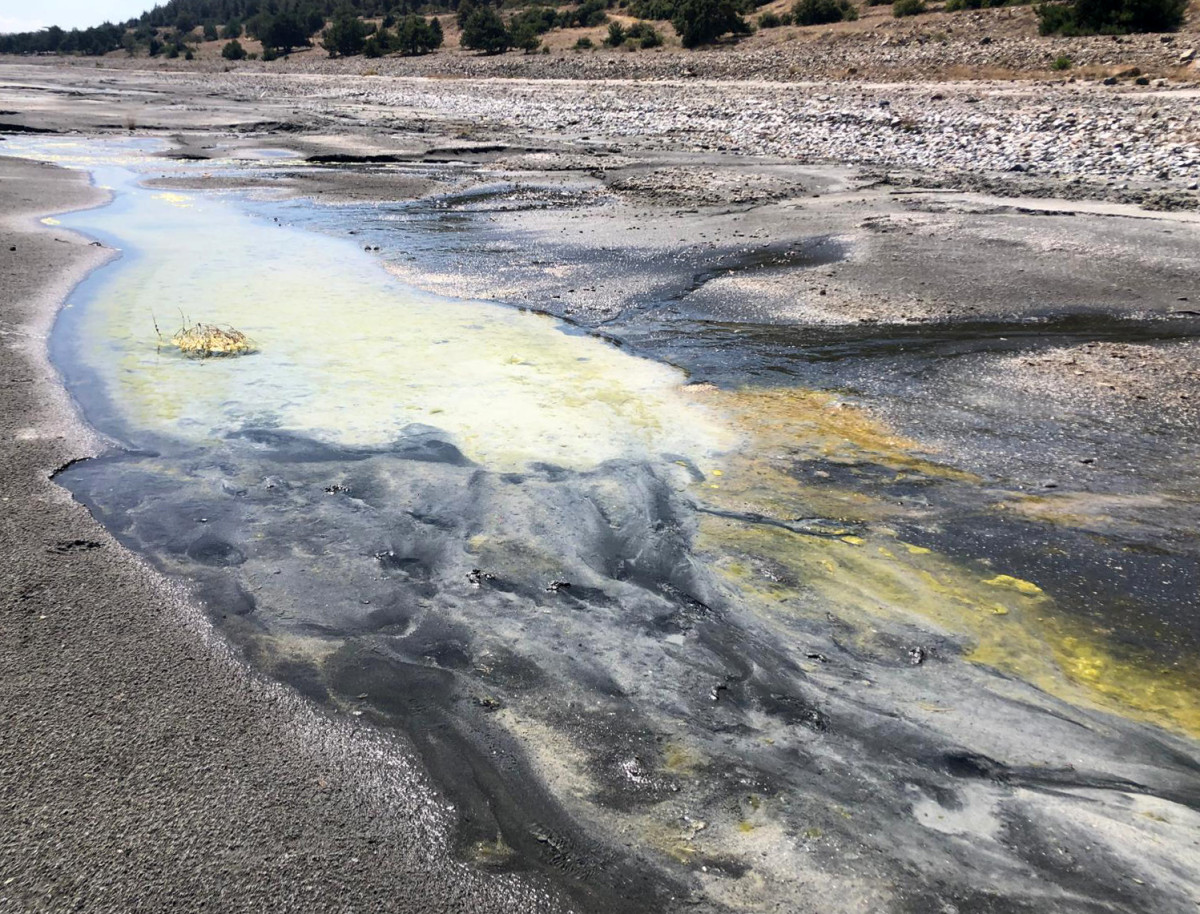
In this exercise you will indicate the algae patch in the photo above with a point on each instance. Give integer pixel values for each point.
(868, 575)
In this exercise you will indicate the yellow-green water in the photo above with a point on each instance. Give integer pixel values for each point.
(346, 353)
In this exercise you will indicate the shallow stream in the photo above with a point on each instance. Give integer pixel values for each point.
(735, 643)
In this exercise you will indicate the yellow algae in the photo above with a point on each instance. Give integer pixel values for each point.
(1003, 621)
(790, 426)
(174, 199)
(1082, 510)
(811, 424)
(680, 759)
(1005, 580)
(1006, 628)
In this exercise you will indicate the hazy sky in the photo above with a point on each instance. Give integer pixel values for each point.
(27, 15)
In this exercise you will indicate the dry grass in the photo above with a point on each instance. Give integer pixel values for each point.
(207, 340)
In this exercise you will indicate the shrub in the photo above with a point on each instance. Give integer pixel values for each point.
(210, 31)
(484, 30)
(584, 44)
(820, 12)
(644, 35)
(704, 21)
(902, 8)
(1062, 62)
(1110, 17)
(233, 50)
(616, 35)
(233, 28)
(769, 21)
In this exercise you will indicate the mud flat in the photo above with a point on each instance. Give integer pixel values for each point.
(899, 616)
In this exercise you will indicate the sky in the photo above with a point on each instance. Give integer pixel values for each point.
(28, 15)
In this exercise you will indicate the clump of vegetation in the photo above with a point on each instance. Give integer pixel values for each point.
(643, 35)
(1062, 62)
(902, 8)
(616, 35)
(346, 35)
(704, 21)
(206, 340)
(820, 12)
(769, 20)
(1110, 17)
(233, 50)
(483, 29)
(584, 43)
(587, 15)
(282, 33)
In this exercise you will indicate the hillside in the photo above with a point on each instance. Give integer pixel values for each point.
(995, 43)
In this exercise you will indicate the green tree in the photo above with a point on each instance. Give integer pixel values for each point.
(704, 21)
(346, 35)
(484, 30)
(233, 28)
(1110, 17)
(415, 35)
(284, 32)
(233, 50)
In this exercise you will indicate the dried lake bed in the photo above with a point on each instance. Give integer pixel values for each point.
(696, 569)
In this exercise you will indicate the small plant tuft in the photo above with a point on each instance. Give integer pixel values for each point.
(204, 341)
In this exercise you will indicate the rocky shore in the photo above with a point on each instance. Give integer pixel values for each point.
(1123, 144)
